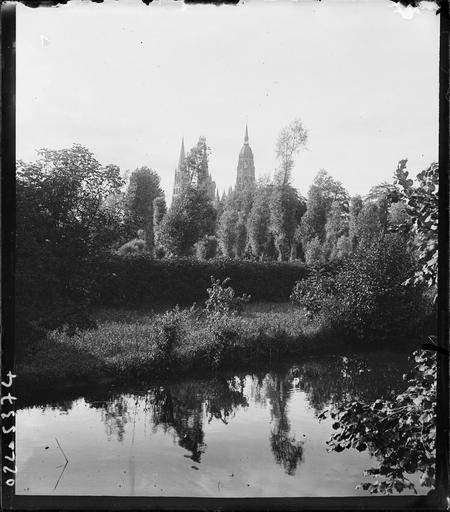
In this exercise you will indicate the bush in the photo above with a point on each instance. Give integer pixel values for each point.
(369, 299)
(223, 301)
(141, 280)
(136, 246)
(311, 293)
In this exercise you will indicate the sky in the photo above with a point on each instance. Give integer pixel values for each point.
(128, 81)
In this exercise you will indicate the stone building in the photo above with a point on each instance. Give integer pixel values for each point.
(246, 167)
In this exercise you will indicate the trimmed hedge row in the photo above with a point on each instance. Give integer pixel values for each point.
(140, 280)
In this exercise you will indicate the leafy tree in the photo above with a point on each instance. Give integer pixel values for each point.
(191, 217)
(206, 247)
(343, 248)
(335, 229)
(143, 188)
(258, 222)
(159, 211)
(314, 253)
(313, 222)
(64, 224)
(369, 225)
(241, 236)
(332, 190)
(356, 205)
(422, 205)
(371, 301)
(323, 193)
(398, 217)
(286, 210)
(227, 232)
(291, 139)
(401, 431)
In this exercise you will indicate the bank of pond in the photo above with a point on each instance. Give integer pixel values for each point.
(129, 345)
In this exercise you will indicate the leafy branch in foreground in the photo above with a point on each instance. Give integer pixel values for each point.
(400, 432)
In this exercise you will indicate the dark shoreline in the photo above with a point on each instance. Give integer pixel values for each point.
(31, 393)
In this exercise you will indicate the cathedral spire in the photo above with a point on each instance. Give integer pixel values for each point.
(246, 167)
(182, 155)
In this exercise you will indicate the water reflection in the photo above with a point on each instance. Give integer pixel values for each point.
(288, 452)
(185, 409)
(182, 408)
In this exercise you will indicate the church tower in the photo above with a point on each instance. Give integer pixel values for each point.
(246, 167)
(180, 177)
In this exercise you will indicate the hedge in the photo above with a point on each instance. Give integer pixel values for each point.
(140, 280)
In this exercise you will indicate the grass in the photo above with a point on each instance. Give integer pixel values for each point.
(147, 344)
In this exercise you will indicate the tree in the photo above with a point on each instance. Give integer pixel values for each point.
(144, 187)
(227, 232)
(191, 217)
(258, 222)
(401, 432)
(241, 237)
(159, 211)
(313, 222)
(286, 210)
(291, 139)
(336, 228)
(314, 253)
(323, 193)
(356, 205)
(422, 205)
(332, 190)
(369, 224)
(65, 223)
(206, 247)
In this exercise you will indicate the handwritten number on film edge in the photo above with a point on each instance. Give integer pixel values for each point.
(8, 430)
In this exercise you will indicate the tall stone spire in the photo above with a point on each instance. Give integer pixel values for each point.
(182, 155)
(246, 166)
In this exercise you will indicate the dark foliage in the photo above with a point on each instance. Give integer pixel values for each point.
(143, 281)
(64, 225)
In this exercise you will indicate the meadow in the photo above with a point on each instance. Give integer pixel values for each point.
(150, 344)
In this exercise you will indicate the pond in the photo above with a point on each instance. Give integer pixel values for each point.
(235, 435)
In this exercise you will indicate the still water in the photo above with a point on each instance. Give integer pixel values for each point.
(246, 434)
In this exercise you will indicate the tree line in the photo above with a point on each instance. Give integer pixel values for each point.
(72, 210)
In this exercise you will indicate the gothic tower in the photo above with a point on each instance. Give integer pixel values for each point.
(246, 167)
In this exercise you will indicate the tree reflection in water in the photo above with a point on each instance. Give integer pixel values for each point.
(288, 452)
(184, 407)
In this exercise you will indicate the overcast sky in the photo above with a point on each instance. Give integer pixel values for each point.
(128, 81)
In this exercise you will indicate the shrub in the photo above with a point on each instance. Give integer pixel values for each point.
(223, 301)
(369, 298)
(400, 432)
(311, 293)
(141, 280)
(136, 246)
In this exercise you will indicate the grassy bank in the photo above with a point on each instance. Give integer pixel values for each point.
(131, 344)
